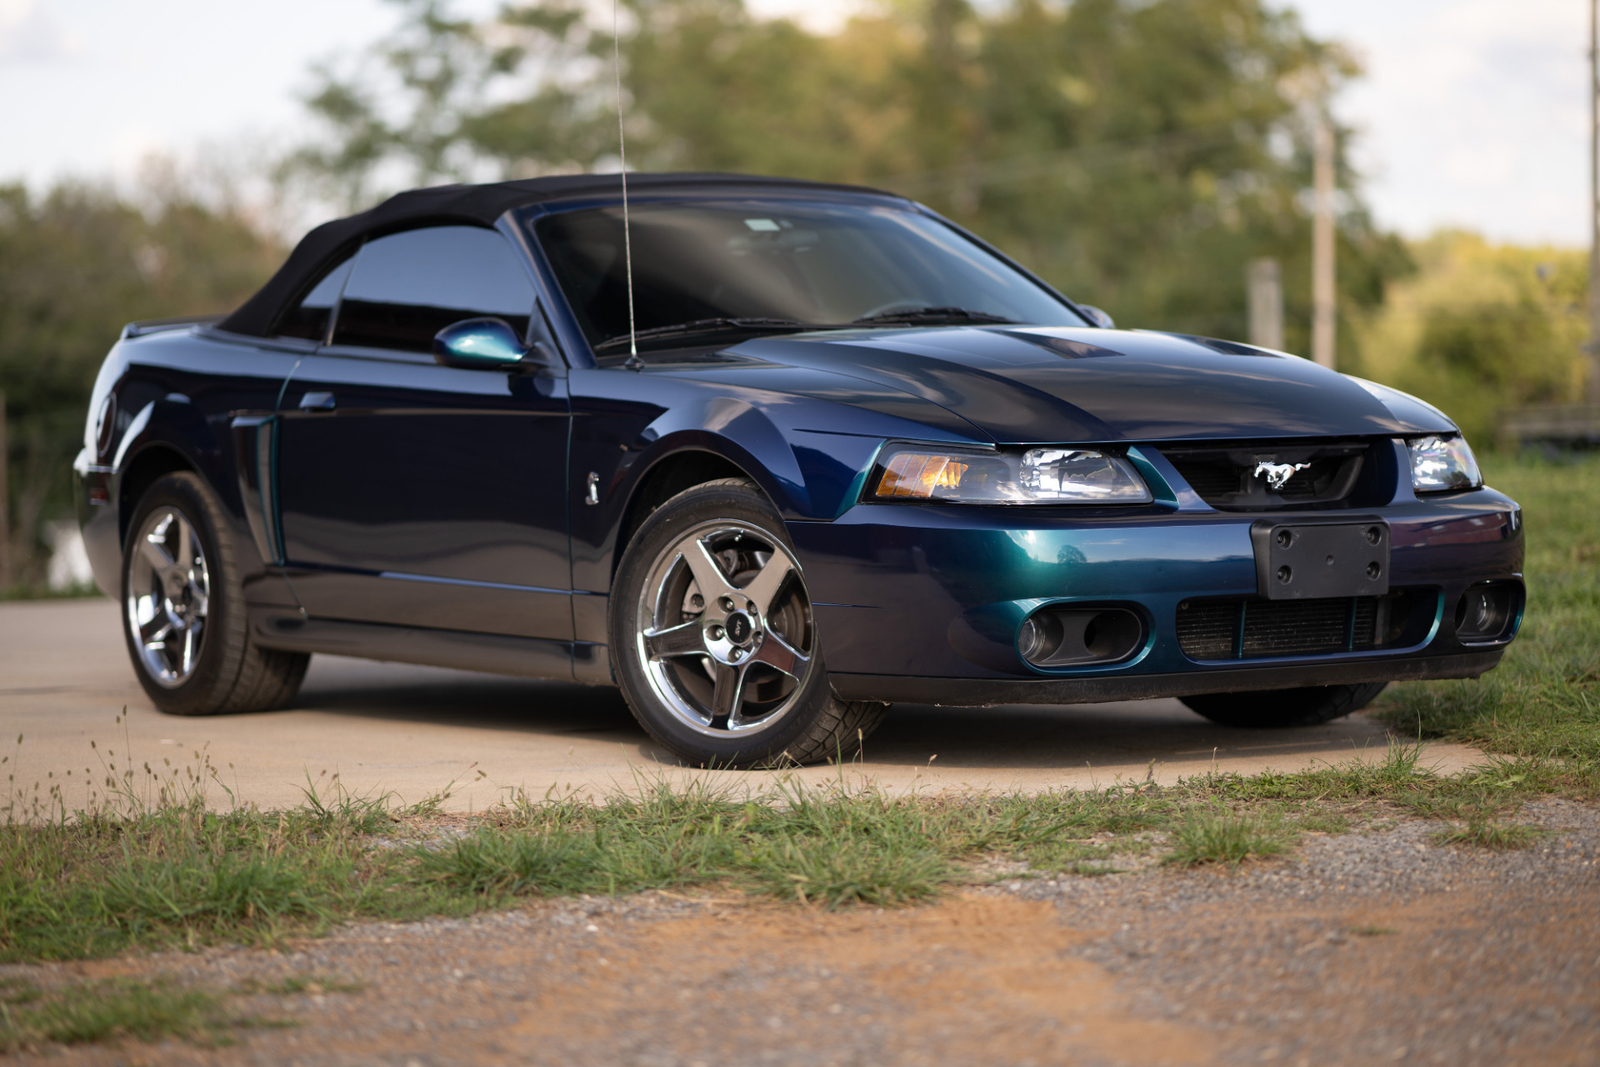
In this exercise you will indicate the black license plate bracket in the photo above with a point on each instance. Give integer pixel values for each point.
(1303, 560)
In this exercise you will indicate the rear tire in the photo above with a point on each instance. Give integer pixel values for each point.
(183, 609)
(714, 642)
(1271, 709)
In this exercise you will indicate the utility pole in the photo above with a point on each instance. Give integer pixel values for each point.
(1322, 285)
(1266, 303)
(1594, 203)
(5, 501)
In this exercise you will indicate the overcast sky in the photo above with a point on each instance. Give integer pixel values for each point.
(1472, 112)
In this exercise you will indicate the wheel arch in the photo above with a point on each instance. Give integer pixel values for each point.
(664, 479)
(150, 463)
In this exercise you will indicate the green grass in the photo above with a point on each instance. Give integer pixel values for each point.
(177, 875)
(1225, 837)
(1543, 701)
(1486, 831)
(114, 1008)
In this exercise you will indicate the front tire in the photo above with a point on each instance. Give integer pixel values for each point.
(1279, 708)
(183, 609)
(714, 641)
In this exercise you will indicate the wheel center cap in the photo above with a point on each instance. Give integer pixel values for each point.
(739, 628)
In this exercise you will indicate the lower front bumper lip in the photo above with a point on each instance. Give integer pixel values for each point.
(991, 692)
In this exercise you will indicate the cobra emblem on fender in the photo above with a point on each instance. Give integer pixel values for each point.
(1278, 474)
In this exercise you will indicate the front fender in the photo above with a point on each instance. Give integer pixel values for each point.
(728, 427)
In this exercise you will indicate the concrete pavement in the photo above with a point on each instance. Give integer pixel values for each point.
(65, 678)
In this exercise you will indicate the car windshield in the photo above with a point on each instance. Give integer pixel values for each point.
(781, 262)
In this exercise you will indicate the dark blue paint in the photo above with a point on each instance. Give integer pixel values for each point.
(427, 470)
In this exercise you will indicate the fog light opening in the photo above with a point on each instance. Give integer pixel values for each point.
(1040, 637)
(1066, 637)
(1485, 612)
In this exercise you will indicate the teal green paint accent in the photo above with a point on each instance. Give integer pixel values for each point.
(1163, 492)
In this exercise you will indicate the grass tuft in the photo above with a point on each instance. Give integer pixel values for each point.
(116, 1008)
(1485, 831)
(1222, 837)
(833, 874)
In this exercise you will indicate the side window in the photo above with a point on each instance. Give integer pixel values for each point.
(309, 318)
(408, 286)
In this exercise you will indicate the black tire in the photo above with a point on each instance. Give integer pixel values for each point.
(226, 671)
(1270, 709)
(795, 718)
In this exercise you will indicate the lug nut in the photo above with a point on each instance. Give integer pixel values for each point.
(734, 653)
(726, 604)
(716, 633)
(698, 601)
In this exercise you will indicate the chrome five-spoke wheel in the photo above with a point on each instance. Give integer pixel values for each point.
(725, 634)
(713, 640)
(168, 596)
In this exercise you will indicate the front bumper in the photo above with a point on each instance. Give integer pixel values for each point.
(906, 596)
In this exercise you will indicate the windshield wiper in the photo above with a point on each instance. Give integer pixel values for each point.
(717, 325)
(931, 314)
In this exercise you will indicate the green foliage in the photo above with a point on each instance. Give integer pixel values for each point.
(76, 264)
(1482, 327)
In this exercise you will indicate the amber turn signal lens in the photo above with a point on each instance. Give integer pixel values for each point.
(918, 475)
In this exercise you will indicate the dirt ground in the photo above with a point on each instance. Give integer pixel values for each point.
(1377, 946)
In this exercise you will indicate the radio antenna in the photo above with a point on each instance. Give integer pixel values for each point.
(622, 154)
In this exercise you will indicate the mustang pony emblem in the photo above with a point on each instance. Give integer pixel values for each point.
(1278, 474)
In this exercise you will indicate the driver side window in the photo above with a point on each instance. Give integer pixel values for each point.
(408, 286)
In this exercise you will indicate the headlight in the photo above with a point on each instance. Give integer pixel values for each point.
(1038, 476)
(1439, 464)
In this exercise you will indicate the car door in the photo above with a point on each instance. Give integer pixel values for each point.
(420, 495)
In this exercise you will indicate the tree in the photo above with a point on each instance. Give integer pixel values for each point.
(1483, 327)
(75, 265)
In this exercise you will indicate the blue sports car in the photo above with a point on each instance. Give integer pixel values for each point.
(768, 455)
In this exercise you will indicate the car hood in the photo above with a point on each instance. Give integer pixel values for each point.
(1051, 384)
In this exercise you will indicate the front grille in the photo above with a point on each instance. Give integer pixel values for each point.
(1252, 628)
(1225, 475)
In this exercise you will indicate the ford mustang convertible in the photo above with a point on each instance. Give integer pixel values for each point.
(769, 456)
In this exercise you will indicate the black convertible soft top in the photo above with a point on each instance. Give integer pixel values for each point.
(478, 205)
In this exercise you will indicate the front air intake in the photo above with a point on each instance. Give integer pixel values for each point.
(1254, 628)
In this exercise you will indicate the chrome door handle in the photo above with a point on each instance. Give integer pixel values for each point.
(317, 402)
